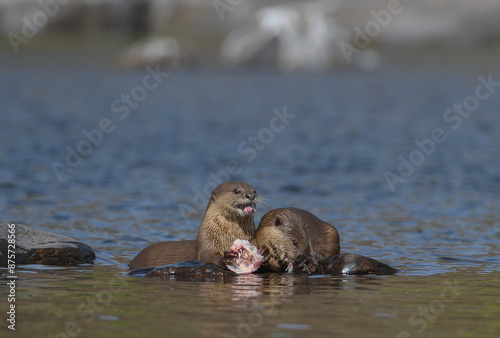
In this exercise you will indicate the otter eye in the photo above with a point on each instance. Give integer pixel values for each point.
(237, 191)
(277, 221)
(294, 242)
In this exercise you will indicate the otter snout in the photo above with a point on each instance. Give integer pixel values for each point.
(251, 195)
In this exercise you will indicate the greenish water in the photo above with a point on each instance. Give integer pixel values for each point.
(96, 301)
(144, 183)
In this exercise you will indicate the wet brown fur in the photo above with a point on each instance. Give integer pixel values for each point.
(294, 234)
(164, 253)
(223, 223)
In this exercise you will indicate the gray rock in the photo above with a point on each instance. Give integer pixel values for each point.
(40, 247)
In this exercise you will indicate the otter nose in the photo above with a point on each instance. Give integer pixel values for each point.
(250, 195)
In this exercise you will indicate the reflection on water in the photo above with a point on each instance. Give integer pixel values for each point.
(257, 305)
(439, 226)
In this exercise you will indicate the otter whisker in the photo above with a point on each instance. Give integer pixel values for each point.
(265, 205)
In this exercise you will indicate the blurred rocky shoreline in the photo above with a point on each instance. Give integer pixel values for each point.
(289, 35)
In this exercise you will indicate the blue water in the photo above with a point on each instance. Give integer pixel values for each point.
(321, 142)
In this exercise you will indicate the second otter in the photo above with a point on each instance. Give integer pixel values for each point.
(293, 234)
(298, 239)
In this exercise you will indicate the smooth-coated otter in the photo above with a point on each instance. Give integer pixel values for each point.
(290, 239)
(292, 235)
(297, 239)
(229, 216)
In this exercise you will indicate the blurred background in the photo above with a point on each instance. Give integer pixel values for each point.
(287, 35)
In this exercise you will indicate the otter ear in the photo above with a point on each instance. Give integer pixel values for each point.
(277, 221)
(214, 193)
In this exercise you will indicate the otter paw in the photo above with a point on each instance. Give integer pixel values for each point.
(307, 265)
(264, 251)
(230, 257)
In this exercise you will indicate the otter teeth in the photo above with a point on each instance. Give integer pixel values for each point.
(247, 208)
(289, 264)
(289, 267)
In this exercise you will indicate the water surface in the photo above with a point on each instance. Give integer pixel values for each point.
(145, 181)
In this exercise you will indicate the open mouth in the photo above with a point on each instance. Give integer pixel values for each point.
(287, 264)
(247, 209)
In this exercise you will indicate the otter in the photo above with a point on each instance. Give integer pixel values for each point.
(292, 235)
(296, 239)
(229, 216)
(288, 239)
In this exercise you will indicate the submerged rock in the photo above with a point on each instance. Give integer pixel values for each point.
(194, 270)
(41, 247)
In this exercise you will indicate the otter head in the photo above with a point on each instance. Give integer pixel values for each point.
(234, 199)
(287, 240)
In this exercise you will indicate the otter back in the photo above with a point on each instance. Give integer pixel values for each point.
(164, 253)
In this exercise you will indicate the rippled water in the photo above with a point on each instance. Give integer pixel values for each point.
(144, 183)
